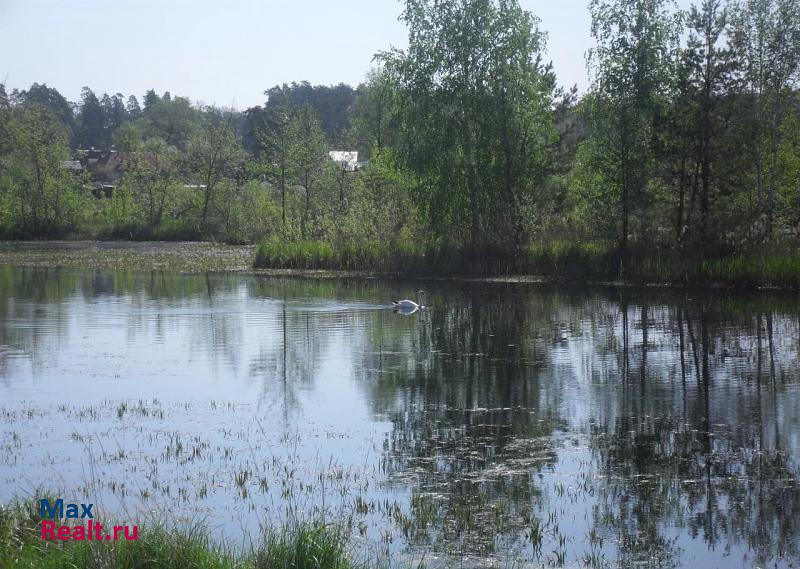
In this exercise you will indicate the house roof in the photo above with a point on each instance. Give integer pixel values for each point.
(108, 167)
(72, 165)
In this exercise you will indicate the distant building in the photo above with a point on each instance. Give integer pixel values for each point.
(347, 160)
(102, 190)
(104, 167)
(72, 165)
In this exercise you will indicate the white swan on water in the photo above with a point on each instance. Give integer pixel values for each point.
(409, 306)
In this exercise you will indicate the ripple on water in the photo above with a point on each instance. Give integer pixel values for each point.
(564, 426)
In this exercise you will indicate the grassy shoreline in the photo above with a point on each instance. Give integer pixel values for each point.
(594, 262)
(299, 546)
(591, 263)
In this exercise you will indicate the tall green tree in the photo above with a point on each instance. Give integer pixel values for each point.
(472, 99)
(41, 196)
(706, 26)
(150, 99)
(43, 96)
(213, 155)
(679, 150)
(133, 108)
(154, 178)
(171, 119)
(307, 156)
(765, 39)
(115, 112)
(272, 132)
(373, 114)
(631, 67)
(92, 129)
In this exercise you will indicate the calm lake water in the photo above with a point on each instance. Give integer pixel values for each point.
(509, 424)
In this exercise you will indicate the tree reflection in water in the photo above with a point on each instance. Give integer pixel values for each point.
(679, 402)
(600, 426)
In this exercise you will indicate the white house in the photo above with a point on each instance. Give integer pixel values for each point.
(348, 160)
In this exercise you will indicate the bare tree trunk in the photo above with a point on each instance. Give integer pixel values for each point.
(472, 185)
(624, 203)
(705, 172)
(341, 189)
(773, 167)
(681, 201)
(508, 174)
(307, 209)
(283, 198)
(693, 196)
(705, 143)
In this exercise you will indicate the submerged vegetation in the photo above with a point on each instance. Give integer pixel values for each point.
(679, 164)
(142, 256)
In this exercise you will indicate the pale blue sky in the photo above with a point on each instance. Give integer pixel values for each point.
(227, 52)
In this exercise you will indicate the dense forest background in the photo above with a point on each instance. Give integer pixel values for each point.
(682, 156)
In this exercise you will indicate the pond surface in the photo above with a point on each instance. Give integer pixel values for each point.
(508, 424)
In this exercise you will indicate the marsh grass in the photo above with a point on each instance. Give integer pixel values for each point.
(769, 265)
(400, 258)
(300, 546)
(772, 265)
(377, 257)
(573, 259)
(317, 547)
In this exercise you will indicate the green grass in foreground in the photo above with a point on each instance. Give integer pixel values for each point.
(303, 546)
(771, 265)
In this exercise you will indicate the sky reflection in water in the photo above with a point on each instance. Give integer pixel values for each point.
(548, 425)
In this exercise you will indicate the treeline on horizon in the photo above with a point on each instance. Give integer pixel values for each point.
(682, 159)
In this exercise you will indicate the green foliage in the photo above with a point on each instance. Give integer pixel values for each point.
(153, 182)
(42, 96)
(684, 151)
(276, 253)
(788, 165)
(172, 120)
(374, 114)
(37, 195)
(474, 108)
(765, 40)
(631, 66)
(94, 129)
(307, 156)
(129, 136)
(330, 103)
(593, 189)
(214, 158)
